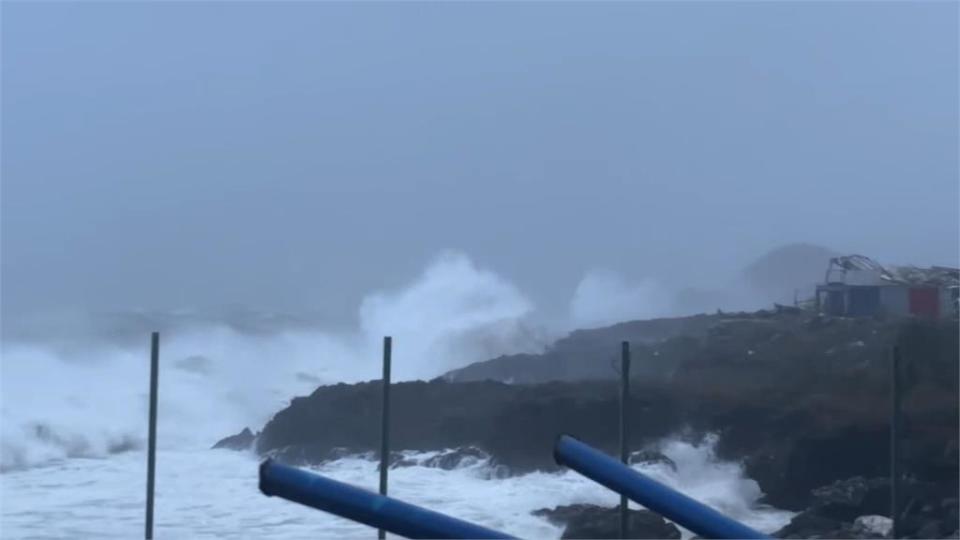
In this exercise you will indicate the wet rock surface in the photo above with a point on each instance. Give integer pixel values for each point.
(241, 441)
(801, 401)
(651, 457)
(453, 459)
(447, 460)
(860, 508)
(845, 500)
(592, 521)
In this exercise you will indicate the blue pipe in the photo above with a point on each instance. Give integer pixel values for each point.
(673, 505)
(364, 506)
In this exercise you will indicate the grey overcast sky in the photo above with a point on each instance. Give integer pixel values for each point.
(294, 156)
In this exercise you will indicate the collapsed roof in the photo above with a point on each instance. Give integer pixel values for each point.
(940, 276)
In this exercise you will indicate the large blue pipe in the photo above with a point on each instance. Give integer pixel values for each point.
(673, 505)
(364, 506)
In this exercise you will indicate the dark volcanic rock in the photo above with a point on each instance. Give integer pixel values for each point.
(845, 500)
(824, 417)
(789, 465)
(445, 459)
(651, 457)
(399, 460)
(858, 508)
(809, 525)
(801, 401)
(950, 514)
(515, 424)
(241, 441)
(592, 521)
(456, 458)
(931, 529)
(586, 354)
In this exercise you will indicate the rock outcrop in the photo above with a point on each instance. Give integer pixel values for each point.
(651, 457)
(802, 401)
(860, 508)
(584, 354)
(241, 441)
(515, 424)
(592, 521)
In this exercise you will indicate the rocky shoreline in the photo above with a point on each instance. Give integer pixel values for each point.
(801, 401)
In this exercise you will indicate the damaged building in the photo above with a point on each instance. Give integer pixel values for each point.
(857, 286)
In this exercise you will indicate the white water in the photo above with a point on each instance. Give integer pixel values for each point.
(213, 494)
(604, 297)
(73, 422)
(80, 399)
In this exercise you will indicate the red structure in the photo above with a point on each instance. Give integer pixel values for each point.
(857, 286)
(925, 302)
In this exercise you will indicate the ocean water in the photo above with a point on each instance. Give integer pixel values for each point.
(214, 494)
(73, 411)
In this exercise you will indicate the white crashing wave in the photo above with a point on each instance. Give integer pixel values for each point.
(64, 407)
(214, 494)
(67, 401)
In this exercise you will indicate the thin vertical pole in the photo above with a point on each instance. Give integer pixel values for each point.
(385, 424)
(152, 437)
(624, 450)
(895, 441)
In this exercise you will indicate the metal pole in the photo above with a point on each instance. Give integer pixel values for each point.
(624, 450)
(895, 442)
(385, 424)
(152, 437)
